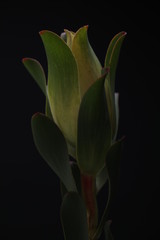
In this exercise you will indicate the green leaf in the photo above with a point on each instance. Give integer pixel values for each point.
(107, 231)
(76, 175)
(113, 164)
(111, 61)
(48, 110)
(70, 37)
(110, 104)
(36, 71)
(113, 107)
(111, 47)
(94, 131)
(112, 56)
(63, 87)
(89, 67)
(101, 179)
(52, 146)
(74, 217)
(77, 178)
(113, 160)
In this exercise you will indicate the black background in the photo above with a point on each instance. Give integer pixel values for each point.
(29, 190)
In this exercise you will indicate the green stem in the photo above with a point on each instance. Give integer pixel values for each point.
(105, 215)
(88, 184)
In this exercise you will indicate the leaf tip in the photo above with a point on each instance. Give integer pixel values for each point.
(36, 115)
(24, 59)
(124, 33)
(42, 32)
(86, 26)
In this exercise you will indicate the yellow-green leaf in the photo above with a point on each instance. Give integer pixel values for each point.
(70, 36)
(89, 67)
(63, 87)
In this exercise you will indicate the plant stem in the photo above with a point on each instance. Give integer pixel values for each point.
(88, 184)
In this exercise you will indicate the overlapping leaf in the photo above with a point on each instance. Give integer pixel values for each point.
(74, 217)
(113, 164)
(52, 147)
(111, 61)
(63, 87)
(89, 67)
(37, 72)
(107, 231)
(101, 179)
(112, 56)
(70, 36)
(94, 130)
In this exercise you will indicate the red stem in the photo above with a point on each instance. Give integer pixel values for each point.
(89, 195)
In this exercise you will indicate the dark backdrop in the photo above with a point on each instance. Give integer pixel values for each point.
(29, 190)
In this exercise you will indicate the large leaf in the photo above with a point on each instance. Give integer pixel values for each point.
(74, 217)
(113, 164)
(112, 56)
(63, 87)
(89, 67)
(94, 130)
(36, 71)
(52, 147)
